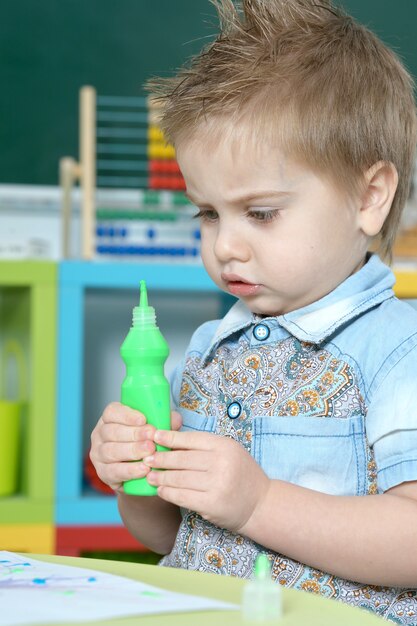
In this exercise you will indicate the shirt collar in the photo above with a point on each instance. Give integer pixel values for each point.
(314, 323)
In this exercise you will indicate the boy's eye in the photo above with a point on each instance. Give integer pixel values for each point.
(263, 215)
(209, 215)
(260, 215)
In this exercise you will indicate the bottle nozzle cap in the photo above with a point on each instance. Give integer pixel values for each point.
(143, 298)
(143, 315)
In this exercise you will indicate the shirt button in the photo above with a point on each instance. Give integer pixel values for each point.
(234, 410)
(261, 332)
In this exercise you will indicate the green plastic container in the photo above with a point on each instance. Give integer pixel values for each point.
(10, 420)
(145, 388)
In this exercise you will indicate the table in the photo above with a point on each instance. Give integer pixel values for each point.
(300, 608)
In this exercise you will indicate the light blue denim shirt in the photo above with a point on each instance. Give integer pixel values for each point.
(324, 397)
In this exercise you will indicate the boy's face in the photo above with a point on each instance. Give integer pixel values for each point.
(273, 233)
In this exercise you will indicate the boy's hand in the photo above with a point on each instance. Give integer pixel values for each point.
(212, 475)
(122, 435)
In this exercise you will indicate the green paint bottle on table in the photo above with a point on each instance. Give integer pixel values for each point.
(145, 388)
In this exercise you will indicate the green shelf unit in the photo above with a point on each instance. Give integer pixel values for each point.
(28, 311)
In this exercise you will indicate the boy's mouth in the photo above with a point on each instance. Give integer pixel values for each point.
(239, 286)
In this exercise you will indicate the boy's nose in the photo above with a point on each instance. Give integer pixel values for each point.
(230, 244)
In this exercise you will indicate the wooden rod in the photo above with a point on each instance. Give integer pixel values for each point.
(88, 168)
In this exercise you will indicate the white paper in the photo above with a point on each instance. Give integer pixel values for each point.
(32, 591)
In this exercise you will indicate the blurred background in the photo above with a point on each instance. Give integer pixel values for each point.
(48, 50)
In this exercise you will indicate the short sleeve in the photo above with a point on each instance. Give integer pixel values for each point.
(391, 421)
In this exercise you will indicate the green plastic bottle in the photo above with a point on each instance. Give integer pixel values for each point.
(145, 388)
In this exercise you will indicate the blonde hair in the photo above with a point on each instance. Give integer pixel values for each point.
(308, 76)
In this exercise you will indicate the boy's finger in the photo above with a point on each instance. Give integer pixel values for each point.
(121, 472)
(121, 414)
(181, 440)
(178, 480)
(121, 433)
(184, 498)
(176, 420)
(191, 460)
(119, 452)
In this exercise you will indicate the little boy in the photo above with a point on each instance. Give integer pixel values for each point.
(295, 132)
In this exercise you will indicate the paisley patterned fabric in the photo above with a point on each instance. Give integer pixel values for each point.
(283, 384)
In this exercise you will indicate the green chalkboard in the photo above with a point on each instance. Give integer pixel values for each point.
(50, 48)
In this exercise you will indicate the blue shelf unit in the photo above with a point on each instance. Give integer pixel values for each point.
(76, 504)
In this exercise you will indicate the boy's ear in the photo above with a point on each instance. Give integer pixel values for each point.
(382, 181)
